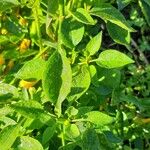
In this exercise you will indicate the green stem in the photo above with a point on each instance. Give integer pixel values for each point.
(36, 8)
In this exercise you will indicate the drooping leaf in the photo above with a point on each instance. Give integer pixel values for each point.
(145, 7)
(98, 118)
(57, 79)
(32, 109)
(113, 59)
(7, 4)
(90, 140)
(109, 13)
(83, 16)
(8, 136)
(71, 32)
(28, 143)
(118, 34)
(32, 69)
(80, 84)
(94, 44)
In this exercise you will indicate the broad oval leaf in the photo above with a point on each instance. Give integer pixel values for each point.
(113, 59)
(8, 136)
(83, 16)
(109, 13)
(28, 143)
(57, 79)
(94, 44)
(98, 118)
(80, 83)
(32, 69)
(118, 34)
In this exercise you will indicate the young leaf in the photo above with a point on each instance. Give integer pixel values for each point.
(113, 59)
(83, 16)
(71, 32)
(109, 13)
(28, 143)
(118, 34)
(32, 69)
(80, 84)
(32, 109)
(90, 140)
(8, 136)
(94, 44)
(57, 79)
(98, 118)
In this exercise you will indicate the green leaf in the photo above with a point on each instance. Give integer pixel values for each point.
(32, 69)
(110, 13)
(8, 136)
(90, 140)
(113, 59)
(80, 83)
(123, 3)
(98, 118)
(48, 133)
(57, 79)
(94, 44)
(71, 132)
(32, 109)
(118, 34)
(109, 78)
(8, 89)
(28, 143)
(71, 32)
(7, 4)
(52, 7)
(83, 16)
(145, 7)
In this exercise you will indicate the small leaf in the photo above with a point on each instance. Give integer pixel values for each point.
(8, 136)
(71, 131)
(80, 84)
(83, 16)
(28, 143)
(32, 69)
(123, 3)
(118, 34)
(98, 118)
(57, 79)
(113, 59)
(52, 7)
(94, 44)
(110, 13)
(32, 109)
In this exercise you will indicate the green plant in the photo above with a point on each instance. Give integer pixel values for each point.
(63, 82)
